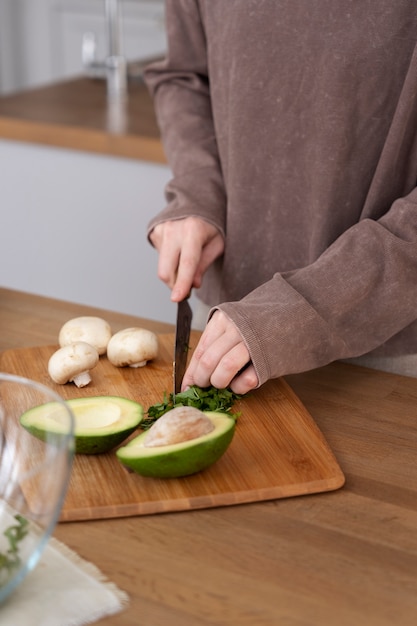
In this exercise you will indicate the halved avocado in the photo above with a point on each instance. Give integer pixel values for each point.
(101, 422)
(179, 459)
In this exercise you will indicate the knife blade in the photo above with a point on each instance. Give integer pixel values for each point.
(182, 338)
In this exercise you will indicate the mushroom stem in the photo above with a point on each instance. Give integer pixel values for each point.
(82, 379)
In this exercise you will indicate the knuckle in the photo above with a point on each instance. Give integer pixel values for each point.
(228, 364)
(251, 379)
(164, 275)
(220, 381)
(206, 362)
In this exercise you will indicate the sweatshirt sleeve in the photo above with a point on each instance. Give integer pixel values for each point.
(360, 293)
(179, 86)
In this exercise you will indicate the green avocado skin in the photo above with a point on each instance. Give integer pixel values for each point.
(97, 443)
(178, 462)
(88, 445)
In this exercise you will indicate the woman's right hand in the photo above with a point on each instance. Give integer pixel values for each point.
(186, 247)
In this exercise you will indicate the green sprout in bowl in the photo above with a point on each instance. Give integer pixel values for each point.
(10, 560)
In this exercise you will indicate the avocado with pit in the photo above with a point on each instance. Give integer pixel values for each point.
(101, 422)
(182, 442)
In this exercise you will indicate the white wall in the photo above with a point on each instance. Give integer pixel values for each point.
(73, 227)
(40, 40)
(72, 224)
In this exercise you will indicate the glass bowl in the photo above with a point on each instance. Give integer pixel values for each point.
(34, 476)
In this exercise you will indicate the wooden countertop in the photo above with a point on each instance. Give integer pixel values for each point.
(76, 114)
(344, 557)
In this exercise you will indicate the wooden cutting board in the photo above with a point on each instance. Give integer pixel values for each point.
(277, 451)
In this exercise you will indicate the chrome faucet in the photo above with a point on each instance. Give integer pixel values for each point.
(114, 66)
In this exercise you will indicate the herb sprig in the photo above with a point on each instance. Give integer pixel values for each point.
(10, 559)
(204, 399)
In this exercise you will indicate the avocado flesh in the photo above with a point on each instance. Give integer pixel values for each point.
(180, 459)
(101, 422)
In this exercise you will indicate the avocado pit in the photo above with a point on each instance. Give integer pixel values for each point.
(182, 423)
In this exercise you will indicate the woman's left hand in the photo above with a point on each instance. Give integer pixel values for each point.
(221, 358)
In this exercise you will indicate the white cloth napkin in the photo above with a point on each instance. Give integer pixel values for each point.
(63, 590)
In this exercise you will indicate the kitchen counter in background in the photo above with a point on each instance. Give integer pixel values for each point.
(76, 114)
(81, 179)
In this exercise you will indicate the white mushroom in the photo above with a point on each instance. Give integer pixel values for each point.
(92, 330)
(132, 347)
(72, 364)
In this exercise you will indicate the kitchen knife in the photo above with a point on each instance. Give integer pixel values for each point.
(182, 338)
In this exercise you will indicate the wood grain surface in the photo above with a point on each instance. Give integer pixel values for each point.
(339, 558)
(77, 114)
(277, 451)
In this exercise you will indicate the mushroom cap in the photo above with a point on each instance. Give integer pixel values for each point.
(70, 361)
(93, 330)
(132, 347)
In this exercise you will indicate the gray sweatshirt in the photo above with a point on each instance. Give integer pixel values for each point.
(292, 126)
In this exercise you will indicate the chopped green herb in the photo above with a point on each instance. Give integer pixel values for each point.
(10, 559)
(207, 399)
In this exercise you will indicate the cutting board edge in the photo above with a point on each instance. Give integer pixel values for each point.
(198, 503)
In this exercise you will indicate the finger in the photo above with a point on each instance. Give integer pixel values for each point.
(167, 267)
(186, 271)
(211, 251)
(245, 382)
(199, 368)
(229, 366)
(176, 264)
(241, 384)
(202, 243)
(217, 363)
(210, 335)
(164, 239)
(214, 330)
(188, 262)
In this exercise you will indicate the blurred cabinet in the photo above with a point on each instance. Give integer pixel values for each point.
(41, 40)
(74, 228)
